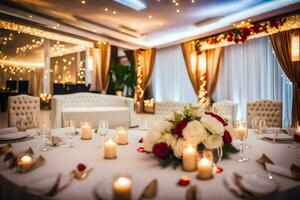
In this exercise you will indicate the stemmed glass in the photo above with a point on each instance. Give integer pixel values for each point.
(261, 127)
(292, 132)
(103, 126)
(242, 134)
(70, 132)
(44, 133)
(254, 123)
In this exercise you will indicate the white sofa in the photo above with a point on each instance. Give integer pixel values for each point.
(119, 111)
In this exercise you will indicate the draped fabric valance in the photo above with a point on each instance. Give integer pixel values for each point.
(203, 69)
(281, 43)
(101, 66)
(144, 62)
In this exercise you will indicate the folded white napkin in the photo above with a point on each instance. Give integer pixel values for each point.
(278, 137)
(279, 170)
(8, 130)
(14, 136)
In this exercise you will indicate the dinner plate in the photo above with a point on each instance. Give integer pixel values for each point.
(255, 184)
(15, 136)
(258, 185)
(279, 137)
(8, 130)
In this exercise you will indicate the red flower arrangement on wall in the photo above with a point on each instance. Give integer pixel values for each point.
(241, 34)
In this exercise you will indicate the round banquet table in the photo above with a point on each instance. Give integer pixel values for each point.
(142, 167)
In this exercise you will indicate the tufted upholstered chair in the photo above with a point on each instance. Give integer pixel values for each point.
(226, 109)
(23, 107)
(165, 109)
(270, 111)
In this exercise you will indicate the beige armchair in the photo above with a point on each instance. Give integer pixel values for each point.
(270, 111)
(25, 108)
(165, 109)
(226, 109)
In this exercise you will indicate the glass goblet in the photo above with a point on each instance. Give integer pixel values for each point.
(45, 132)
(70, 132)
(103, 131)
(242, 133)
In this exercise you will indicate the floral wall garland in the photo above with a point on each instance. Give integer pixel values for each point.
(246, 31)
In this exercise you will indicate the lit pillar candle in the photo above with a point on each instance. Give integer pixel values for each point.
(122, 136)
(25, 163)
(86, 133)
(110, 149)
(205, 168)
(122, 188)
(189, 157)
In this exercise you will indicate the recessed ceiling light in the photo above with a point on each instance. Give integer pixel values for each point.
(114, 12)
(160, 23)
(193, 1)
(174, 1)
(150, 16)
(134, 4)
(106, 9)
(177, 4)
(83, 1)
(177, 10)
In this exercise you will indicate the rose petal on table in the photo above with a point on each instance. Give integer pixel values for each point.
(218, 169)
(141, 140)
(141, 150)
(184, 181)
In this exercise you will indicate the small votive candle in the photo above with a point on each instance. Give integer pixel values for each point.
(110, 149)
(86, 133)
(122, 188)
(205, 168)
(189, 158)
(25, 163)
(122, 136)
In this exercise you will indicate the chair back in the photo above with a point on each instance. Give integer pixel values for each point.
(11, 84)
(25, 108)
(226, 109)
(23, 87)
(268, 110)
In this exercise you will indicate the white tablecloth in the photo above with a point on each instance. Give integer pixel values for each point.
(142, 168)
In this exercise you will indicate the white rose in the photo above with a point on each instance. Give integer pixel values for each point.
(198, 111)
(213, 141)
(152, 137)
(213, 125)
(166, 126)
(194, 131)
(169, 139)
(178, 148)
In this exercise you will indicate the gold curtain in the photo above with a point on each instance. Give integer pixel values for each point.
(144, 61)
(191, 62)
(34, 76)
(281, 43)
(101, 66)
(203, 69)
(213, 68)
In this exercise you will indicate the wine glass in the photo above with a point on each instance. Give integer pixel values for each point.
(254, 123)
(261, 127)
(242, 134)
(44, 133)
(103, 126)
(70, 132)
(295, 133)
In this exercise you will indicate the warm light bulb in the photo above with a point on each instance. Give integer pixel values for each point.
(106, 9)
(114, 12)
(83, 1)
(177, 10)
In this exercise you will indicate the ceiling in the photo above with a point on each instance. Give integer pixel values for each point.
(161, 23)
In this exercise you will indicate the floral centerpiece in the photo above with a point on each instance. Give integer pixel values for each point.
(206, 130)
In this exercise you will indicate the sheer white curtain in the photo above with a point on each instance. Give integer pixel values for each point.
(251, 71)
(170, 80)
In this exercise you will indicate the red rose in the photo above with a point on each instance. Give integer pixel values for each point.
(81, 167)
(297, 138)
(161, 150)
(229, 38)
(218, 117)
(227, 138)
(230, 34)
(179, 127)
(243, 38)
